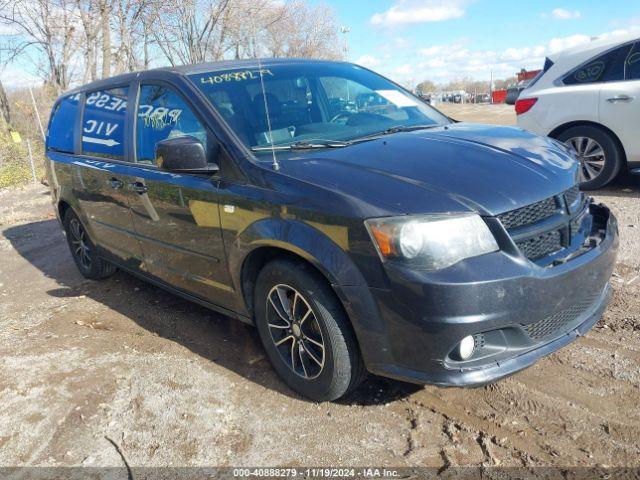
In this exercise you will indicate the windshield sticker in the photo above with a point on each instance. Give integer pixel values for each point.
(398, 98)
(238, 76)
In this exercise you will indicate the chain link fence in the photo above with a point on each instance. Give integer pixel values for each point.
(22, 157)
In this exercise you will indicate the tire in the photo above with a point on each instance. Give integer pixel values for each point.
(320, 374)
(83, 251)
(587, 140)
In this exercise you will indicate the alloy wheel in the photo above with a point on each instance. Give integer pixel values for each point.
(591, 155)
(81, 248)
(295, 331)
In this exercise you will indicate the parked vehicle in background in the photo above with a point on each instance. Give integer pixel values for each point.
(425, 96)
(514, 91)
(588, 97)
(356, 226)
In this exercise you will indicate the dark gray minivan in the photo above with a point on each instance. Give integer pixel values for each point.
(356, 226)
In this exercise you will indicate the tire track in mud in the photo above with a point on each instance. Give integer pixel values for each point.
(464, 418)
(550, 410)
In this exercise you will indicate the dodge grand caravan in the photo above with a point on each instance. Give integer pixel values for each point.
(356, 226)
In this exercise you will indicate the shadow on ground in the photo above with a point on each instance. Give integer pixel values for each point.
(625, 185)
(215, 337)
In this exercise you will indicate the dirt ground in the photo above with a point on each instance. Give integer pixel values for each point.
(84, 364)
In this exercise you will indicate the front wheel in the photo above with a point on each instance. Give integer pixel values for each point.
(305, 332)
(83, 251)
(599, 155)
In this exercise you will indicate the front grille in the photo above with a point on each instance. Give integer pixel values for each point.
(531, 218)
(541, 245)
(530, 214)
(554, 323)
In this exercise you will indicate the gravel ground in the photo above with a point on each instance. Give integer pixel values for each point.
(85, 364)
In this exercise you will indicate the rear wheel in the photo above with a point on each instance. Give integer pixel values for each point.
(305, 332)
(599, 155)
(83, 250)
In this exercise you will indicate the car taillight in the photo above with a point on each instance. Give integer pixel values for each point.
(524, 105)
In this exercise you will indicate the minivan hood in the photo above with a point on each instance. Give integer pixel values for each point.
(458, 167)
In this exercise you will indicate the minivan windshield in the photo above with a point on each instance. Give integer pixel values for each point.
(312, 105)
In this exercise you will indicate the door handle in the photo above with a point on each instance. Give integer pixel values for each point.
(116, 184)
(619, 98)
(138, 187)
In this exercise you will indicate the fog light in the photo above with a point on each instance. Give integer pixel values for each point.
(466, 347)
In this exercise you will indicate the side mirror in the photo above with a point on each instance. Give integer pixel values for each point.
(184, 154)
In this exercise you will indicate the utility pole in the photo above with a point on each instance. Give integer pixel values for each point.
(491, 87)
(345, 31)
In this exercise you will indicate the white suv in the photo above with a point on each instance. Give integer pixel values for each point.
(588, 97)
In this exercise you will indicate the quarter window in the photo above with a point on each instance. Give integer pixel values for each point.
(609, 67)
(61, 126)
(162, 114)
(103, 123)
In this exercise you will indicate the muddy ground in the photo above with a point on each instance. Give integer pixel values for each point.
(84, 364)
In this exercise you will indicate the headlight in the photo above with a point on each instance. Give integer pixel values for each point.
(431, 242)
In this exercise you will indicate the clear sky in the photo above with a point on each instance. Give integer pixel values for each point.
(410, 40)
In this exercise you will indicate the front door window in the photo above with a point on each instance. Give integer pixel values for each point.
(162, 114)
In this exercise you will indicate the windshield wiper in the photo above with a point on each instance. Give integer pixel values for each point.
(396, 129)
(303, 145)
(408, 128)
(311, 144)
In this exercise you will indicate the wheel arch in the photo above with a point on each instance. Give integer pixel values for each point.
(67, 201)
(257, 258)
(270, 237)
(295, 239)
(63, 206)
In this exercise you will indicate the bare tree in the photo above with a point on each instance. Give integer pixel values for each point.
(102, 37)
(50, 28)
(5, 109)
(504, 83)
(105, 30)
(302, 31)
(134, 26)
(87, 10)
(191, 31)
(204, 30)
(426, 86)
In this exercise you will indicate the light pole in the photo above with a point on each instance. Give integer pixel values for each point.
(345, 31)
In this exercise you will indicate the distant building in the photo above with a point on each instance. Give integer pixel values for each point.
(526, 75)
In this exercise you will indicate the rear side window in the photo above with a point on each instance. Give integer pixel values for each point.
(162, 114)
(609, 67)
(633, 63)
(63, 120)
(103, 123)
